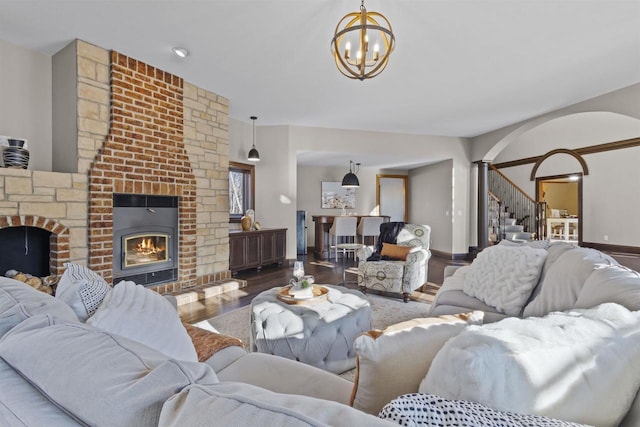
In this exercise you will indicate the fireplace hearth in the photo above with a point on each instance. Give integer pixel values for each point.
(145, 238)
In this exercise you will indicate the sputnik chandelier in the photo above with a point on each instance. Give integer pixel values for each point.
(360, 29)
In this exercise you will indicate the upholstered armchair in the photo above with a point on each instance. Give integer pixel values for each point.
(398, 275)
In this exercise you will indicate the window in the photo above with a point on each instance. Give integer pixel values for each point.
(241, 189)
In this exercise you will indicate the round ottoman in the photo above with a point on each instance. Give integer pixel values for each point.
(319, 334)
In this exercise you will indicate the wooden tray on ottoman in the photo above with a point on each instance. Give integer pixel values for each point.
(320, 294)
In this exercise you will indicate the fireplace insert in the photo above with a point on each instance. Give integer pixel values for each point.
(145, 238)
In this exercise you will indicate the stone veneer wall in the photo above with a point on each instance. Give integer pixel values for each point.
(206, 140)
(56, 202)
(59, 202)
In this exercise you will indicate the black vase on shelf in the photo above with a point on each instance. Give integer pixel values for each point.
(15, 156)
(16, 142)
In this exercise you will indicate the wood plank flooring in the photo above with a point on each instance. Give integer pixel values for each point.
(324, 272)
(328, 272)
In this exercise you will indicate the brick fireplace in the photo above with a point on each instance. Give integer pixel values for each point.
(140, 131)
(144, 154)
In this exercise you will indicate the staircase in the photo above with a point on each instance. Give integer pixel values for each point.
(513, 215)
(513, 231)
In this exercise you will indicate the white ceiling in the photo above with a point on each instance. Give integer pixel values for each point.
(460, 68)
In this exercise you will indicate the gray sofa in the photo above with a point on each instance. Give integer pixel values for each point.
(58, 371)
(523, 359)
(571, 277)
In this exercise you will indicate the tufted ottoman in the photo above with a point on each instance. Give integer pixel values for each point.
(320, 334)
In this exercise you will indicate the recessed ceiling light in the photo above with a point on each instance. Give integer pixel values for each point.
(180, 51)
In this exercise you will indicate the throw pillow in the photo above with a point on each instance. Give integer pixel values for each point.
(561, 283)
(611, 283)
(395, 252)
(82, 289)
(567, 365)
(504, 277)
(427, 410)
(392, 362)
(143, 315)
(207, 343)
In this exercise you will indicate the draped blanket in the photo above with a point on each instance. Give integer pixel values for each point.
(388, 234)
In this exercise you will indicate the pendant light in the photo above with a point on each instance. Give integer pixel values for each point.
(350, 180)
(254, 156)
(370, 35)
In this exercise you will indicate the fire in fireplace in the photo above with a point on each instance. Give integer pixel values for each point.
(145, 249)
(145, 238)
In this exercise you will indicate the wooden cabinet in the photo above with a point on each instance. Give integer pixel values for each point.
(254, 249)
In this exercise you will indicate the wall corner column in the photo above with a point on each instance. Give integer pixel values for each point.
(483, 204)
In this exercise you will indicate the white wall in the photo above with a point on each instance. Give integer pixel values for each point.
(435, 207)
(625, 101)
(309, 191)
(428, 148)
(349, 143)
(25, 95)
(610, 197)
(65, 111)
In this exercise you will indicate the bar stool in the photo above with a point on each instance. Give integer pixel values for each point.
(370, 226)
(343, 226)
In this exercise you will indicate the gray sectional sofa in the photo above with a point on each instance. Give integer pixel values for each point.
(58, 371)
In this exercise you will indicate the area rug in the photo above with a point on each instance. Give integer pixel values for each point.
(385, 311)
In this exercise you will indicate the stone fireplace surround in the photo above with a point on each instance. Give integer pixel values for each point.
(140, 130)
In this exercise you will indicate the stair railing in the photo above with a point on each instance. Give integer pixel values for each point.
(527, 211)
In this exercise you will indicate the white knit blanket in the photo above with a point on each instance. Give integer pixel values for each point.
(504, 276)
(580, 365)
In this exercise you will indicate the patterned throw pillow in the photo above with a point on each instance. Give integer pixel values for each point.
(82, 289)
(427, 410)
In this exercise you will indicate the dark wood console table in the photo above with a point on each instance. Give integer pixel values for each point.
(323, 224)
(255, 249)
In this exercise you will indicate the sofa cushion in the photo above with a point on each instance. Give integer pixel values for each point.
(267, 371)
(450, 299)
(504, 276)
(562, 282)
(237, 404)
(82, 289)
(554, 251)
(392, 362)
(143, 315)
(578, 366)
(538, 244)
(612, 283)
(21, 404)
(101, 378)
(19, 301)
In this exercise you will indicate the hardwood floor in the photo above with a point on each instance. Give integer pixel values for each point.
(324, 272)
